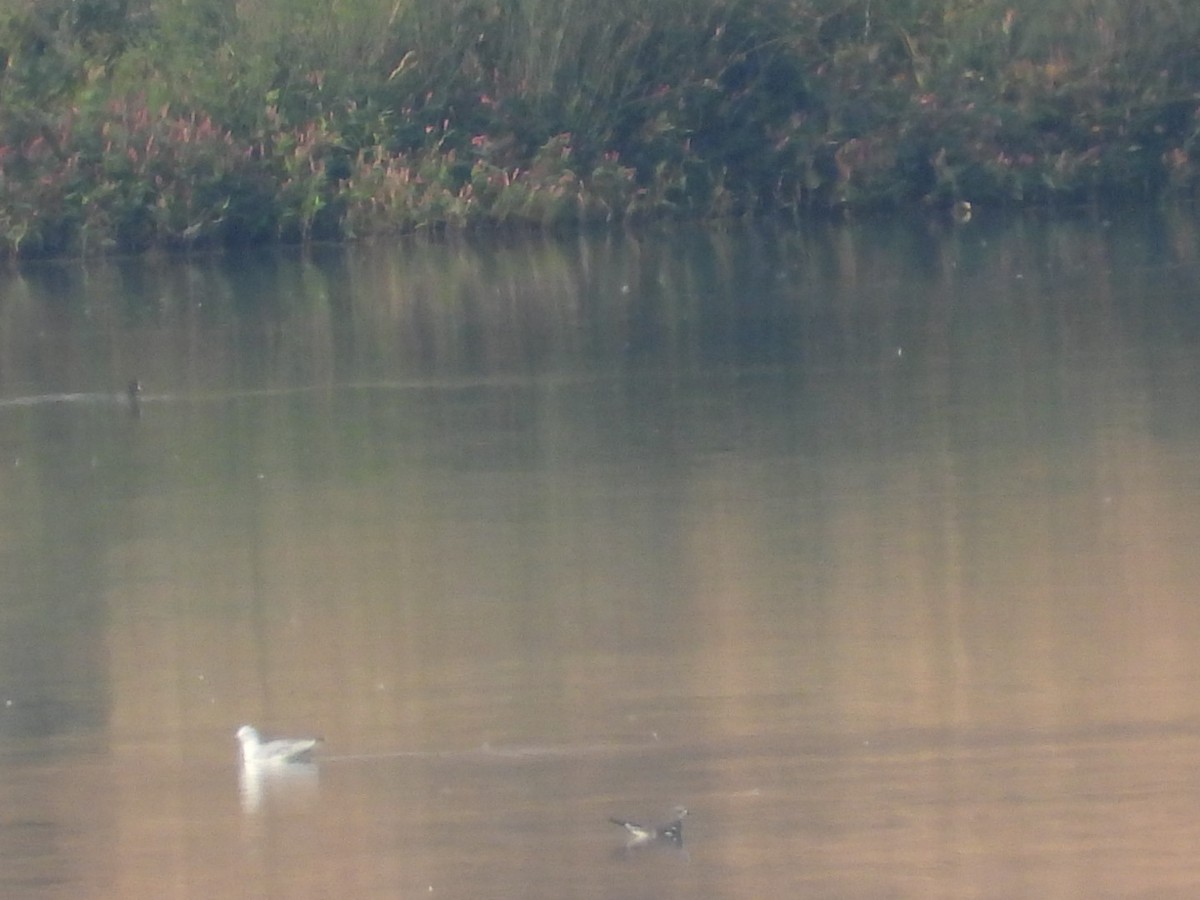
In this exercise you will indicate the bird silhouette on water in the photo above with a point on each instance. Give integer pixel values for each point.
(133, 392)
(671, 832)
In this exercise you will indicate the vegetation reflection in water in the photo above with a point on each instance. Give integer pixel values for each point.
(703, 300)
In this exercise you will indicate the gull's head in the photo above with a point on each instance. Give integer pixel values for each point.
(248, 735)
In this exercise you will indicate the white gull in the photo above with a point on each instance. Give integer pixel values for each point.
(287, 750)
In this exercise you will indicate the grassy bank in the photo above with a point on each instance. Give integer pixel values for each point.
(136, 124)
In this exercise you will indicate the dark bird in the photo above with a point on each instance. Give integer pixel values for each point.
(672, 831)
(134, 392)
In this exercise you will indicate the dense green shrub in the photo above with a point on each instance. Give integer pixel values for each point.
(132, 124)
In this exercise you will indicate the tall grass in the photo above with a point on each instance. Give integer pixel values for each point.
(131, 124)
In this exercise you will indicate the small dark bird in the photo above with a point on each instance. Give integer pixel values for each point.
(671, 832)
(134, 392)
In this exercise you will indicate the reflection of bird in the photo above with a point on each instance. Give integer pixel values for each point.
(290, 750)
(291, 783)
(644, 834)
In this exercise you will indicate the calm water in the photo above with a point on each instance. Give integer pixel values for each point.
(875, 546)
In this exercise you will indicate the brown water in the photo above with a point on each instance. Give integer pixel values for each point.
(873, 546)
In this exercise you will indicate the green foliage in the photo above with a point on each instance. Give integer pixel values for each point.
(133, 124)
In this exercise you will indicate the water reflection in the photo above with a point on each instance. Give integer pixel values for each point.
(287, 784)
(546, 531)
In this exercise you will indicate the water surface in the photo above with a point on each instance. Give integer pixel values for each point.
(872, 545)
